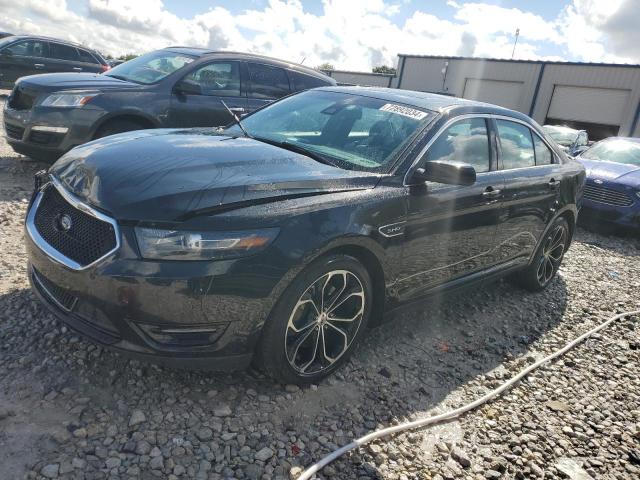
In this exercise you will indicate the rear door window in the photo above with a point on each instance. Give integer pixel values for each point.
(86, 57)
(516, 145)
(300, 81)
(466, 141)
(28, 48)
(219, 78)
(63, 52)
(267, 82)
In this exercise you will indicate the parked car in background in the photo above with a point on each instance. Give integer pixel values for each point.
(570, 140)
(5, 34)
(115, 62)
(612, 192)
(280, 240)
(47, 115)
(22, 55)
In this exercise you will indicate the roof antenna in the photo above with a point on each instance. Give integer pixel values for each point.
(303, 59)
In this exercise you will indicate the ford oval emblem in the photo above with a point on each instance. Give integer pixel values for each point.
(65, 222)
(598, 181)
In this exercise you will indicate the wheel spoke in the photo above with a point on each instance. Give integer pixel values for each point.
(344, 346)
(315, 351)
(347, 297)
(337, 296)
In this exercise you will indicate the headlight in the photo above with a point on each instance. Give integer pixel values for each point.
(181, 245)
(68, 99)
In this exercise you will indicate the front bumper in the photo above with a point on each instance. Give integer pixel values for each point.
(23, 134)
(198, 315)
(602, 213)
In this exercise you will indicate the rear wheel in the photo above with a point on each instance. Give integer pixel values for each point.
(118, 126)
(317, 321)
(548, 258)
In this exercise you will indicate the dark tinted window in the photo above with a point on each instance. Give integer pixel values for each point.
(86, 57)
(516, 145)
(267, 82)
(543, 153)
(63, 52)
(465, 141)
(28, 48)
(300, 81)
(220, 78)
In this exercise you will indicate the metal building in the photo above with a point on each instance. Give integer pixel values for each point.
(603, 99)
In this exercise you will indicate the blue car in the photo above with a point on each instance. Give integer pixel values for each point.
(612, 191)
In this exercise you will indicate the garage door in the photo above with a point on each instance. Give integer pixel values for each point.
(499, 92)
(585, 104)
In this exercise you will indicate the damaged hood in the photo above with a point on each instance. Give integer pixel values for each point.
(170, 175)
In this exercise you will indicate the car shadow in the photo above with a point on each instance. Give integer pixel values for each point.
(401, 371)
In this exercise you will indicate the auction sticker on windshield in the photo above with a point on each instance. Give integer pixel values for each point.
(404, 111)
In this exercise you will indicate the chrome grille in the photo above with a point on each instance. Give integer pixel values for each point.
(608, 196)
(78, 236)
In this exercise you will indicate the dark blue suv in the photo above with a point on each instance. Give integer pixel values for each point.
(47, 115)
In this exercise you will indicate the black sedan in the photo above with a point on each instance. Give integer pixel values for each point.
(279, 240)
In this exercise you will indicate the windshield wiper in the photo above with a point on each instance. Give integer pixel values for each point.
(236, 118)
(294, 147)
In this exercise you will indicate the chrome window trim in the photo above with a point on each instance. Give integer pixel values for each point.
(51, 252)
(478, 115)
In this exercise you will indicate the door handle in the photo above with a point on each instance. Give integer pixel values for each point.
(491, 192)
(554, 184)
(38, 65)
(77, 69)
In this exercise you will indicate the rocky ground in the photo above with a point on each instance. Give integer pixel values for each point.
(69, 409)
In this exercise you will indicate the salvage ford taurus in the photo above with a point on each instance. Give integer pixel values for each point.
(280, 240)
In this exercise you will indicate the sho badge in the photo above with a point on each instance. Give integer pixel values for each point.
(392, 230)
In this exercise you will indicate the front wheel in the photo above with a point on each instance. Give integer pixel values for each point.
(317, 321)
(548, 258)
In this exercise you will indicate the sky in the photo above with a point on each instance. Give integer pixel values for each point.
(349, 34)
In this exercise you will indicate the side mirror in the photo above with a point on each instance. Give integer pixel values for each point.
(452, 173)
(186, 87)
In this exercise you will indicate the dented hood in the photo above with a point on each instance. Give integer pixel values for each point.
(171, 175)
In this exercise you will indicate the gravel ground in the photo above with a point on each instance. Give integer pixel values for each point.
(69, 409)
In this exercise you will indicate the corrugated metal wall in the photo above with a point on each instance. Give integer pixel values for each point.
(361, 78)
(426, 74)
(605, 77)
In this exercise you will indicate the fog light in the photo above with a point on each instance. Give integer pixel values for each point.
(44, 128)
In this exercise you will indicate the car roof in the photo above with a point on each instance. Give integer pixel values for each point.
(52, 39)
(207, 52)
(563, 127)
(427, 101)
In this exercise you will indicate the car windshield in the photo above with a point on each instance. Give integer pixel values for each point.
(150, 68)
(6, 40)
(619, 151)
(354, 132)
(562, 135)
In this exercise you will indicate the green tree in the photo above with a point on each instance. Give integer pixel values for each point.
(325, 66)
(384, 69)
(127, 57)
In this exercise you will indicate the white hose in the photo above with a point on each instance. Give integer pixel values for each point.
(310, 471)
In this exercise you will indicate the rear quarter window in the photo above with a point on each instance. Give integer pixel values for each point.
(300, 81)
(267, 82)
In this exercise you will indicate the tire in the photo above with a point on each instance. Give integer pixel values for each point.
(547, 259)
(290, 350)
(117, 126)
